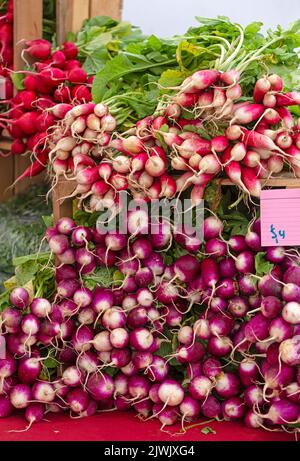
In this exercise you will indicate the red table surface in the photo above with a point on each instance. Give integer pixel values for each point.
(120, 426)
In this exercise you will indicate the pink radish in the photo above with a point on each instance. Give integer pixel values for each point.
(262, 86)
(248, 113)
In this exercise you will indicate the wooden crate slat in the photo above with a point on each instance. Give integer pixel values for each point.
(70, 15)
(6, 177)
(62, 208)
(5, 144)
(111, 8)
(284, 180)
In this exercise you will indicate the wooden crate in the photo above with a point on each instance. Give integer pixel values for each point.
(64, 188)
(28, 19)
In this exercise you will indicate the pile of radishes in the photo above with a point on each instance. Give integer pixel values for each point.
(57, 77)
(232, 337)
(6, 51)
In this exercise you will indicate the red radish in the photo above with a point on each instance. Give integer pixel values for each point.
(171, 393)
(248, 113)
(288, 99)
(258, 140)
(219, 143)
(230, 77)
(233, 408)
(108, 123)
(219, 98)
(275, 164)
(19, 298)
(178, 163)
(234, 92)
(286, 117)
(262, 86)
(271, 117)
(251, 159)
(201, 79)
(194, 145)
(233, 132)
(70, 50)
(205, 99)
(289, 351)
(58, 59)
(269, 100)
(100, 387)
(233, 171)
(155, 166)
(20, 396)
(39, 49)
(77, 75)
(276, 82)
(6, 408)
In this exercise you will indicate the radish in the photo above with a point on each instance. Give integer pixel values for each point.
(247, 114)
(252, 420)
(212, 227)
(253, 395)
(6, 408)
(230, 77)
(290, 351)
(7, 368)
(248, 371)
(200, 387)
(100, 387)
(141, 339)
(282, 411)
(262, 86)
(250, 181)
(215, 248)
(233, 132)
(11, 318)
(269, 100)
(19, 298)
(113, 318)
(20, 396)
(219, 347)
(211, 408)
(227, 385)
(171, 393)
(291, 312)
(288, 99)
(233, 408)
(189, 408)
(39, 49)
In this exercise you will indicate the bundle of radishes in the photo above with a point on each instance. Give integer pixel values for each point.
(6, 53)
(164, 155)
(203, 335)
(57, 77)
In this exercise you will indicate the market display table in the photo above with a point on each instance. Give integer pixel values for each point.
(119, 426)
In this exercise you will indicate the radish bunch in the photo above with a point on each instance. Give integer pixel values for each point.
(57, 78)
(166, 154)
(77, 144)
(201, 335)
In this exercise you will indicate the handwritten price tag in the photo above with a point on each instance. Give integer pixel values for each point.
(280, 217)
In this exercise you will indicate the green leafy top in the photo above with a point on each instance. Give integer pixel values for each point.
(133, 70)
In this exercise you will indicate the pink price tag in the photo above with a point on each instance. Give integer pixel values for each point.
(280, 217)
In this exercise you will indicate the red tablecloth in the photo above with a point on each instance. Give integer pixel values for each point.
(118, 426)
